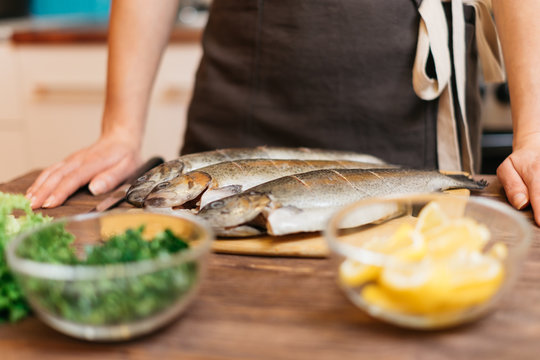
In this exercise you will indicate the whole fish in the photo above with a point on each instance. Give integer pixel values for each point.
(304, 202)
(227, 178)
(170, 169)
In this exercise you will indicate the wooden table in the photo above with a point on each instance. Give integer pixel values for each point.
(279, 308)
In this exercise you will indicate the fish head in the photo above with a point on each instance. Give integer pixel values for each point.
(178, 191)
(141, 187)
(234, 210)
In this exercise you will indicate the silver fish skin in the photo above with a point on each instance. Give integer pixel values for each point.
(170, 169)
(138, 191)
(227, 178)
(292, 199)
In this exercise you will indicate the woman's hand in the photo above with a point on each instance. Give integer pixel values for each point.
(138, 34)
(104, 164)
(520, 174)
(519, 30)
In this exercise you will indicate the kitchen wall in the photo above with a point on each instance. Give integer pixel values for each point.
(52, 72)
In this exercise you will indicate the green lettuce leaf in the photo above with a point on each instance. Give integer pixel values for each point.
(13, 306)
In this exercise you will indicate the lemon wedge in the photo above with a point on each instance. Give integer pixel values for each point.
(436, 265)
(405, 243)
(420, 287)
(498, 251)
(445, 240)
(431, 216)
(476, 277)
(353, 273)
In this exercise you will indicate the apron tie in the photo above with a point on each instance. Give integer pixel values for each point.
(433, 36)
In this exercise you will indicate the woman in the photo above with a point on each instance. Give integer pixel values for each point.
(334, 74)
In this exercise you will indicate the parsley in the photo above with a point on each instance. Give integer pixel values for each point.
(13, 306)
(112, 299)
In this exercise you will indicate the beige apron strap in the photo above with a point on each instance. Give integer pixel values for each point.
(433, 36)
(447, 138)
(487, 40)
(458, 39)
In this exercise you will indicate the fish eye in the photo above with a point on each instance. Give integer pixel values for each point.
(217, 204)
(163, 185)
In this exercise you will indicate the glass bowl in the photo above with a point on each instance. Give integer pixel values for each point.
(434, 281)
(115, 301)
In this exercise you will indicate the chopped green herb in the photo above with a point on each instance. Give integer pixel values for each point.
(13, 306)
(130, 246)
(114, 298)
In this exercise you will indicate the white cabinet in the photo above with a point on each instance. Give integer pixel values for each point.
(55, 96)
(13, 157)
(12, 153)
(10, 104)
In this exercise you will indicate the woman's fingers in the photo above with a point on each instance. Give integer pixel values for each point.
(514, 186)
(42, 191)
(41, 179)
(113, 176)
(59, 181)
(529, 169)
(520, 176)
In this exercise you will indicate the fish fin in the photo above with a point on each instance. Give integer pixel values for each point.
(467, 181)
(214, 194)
(290, 220)
(239, 231)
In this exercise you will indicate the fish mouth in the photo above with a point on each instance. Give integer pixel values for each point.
(179, 192)
(137, 197)
(139, 190)
(157, 201)
(236, 210)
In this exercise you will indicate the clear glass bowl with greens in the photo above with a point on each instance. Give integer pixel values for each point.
(428, 261)
(113, 275)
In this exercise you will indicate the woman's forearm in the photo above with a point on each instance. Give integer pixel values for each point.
(519, 30)
(138, 34)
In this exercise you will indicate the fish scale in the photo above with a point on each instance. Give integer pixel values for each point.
(227, 178)
(304, 202)
(170, 169)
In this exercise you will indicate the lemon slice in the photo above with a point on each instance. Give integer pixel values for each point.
(498, 251)
(475, 278)
(431, 216)
(447, 239)
(404, 243)
(402, 238)
(419, 286)
(377, 295)
(436, 266)
(353, 273)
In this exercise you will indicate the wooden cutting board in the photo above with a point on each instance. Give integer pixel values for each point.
(310, 245)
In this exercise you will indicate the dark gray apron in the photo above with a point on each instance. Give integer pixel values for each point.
(316, 73)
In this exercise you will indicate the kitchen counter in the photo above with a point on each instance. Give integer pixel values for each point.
(91, 34)
(76, 30)
(283, 308)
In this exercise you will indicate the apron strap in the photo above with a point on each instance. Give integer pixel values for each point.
(433, 36)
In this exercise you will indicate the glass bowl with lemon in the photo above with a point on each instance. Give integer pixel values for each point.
(428, 261)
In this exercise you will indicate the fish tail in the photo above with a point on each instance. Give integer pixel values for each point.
(466, 181)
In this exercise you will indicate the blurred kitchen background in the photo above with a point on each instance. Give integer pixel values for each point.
(52, 73)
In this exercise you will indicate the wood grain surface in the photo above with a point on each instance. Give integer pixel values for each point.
(286, 308)
(94, 34)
